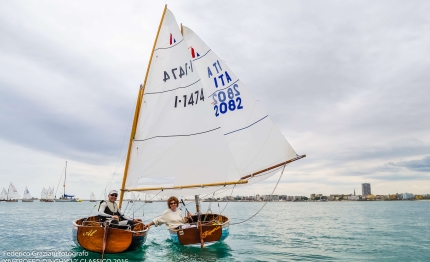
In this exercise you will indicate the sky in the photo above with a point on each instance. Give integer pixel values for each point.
(346, 82)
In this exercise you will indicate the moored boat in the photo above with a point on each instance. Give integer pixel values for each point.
(66, 197)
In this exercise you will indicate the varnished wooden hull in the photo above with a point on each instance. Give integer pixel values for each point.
(89, 235)
(215, 228)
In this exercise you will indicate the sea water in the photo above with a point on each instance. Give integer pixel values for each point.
(281, 231)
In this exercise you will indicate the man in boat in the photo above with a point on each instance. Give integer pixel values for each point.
(109, 210)
(172, 217)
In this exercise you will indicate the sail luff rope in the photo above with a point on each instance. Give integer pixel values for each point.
(58, 185)
(243, 221)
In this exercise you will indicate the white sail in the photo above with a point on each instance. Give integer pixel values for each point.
(253, 140)
(92, 197)
(197, 123)
(3, 195)
(12, 192)
(27, 194)
(50, 193)
(43, 194)
(177, 142)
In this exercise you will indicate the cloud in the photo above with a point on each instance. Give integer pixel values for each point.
(418, 165)
(347, 83)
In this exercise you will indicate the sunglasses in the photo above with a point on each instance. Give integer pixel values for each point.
(115, 195)
(173, 203)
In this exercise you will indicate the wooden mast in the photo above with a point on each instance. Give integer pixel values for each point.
(136, 113)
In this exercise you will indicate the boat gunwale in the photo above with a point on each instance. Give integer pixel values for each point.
(75, 224)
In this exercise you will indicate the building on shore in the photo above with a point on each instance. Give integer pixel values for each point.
(365, 188)
(407, 196)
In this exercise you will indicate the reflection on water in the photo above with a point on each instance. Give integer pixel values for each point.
(165, 251)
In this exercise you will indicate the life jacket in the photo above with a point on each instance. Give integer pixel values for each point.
(109, 207)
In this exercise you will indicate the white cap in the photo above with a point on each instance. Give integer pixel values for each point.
(113, 191)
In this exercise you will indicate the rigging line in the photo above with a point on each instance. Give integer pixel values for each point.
(202, 55)
(141, 140)
(149, 200)
(161, 48)
(118, 158)
(228, 200)
(224, 188)
(154, 93)
(243, 221)
(58, 183)
(133, 199)
(246, 126)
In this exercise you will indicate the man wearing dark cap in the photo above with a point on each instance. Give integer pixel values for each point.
(109, 210)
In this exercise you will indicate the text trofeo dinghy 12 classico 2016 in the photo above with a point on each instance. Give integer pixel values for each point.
(196, 130)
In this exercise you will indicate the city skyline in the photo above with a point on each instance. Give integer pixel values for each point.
(345, 84)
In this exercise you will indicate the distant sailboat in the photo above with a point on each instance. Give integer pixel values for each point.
(12, 194)
(3, 195)
(27, 196)
(44, 195)
(65, 197)
(132, 198)
(92, 197)
(147, 201)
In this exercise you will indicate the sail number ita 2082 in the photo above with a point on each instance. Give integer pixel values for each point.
(191, 99)
(228, 100)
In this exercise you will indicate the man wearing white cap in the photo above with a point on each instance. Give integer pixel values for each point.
(109, 209)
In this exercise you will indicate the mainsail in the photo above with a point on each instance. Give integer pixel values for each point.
(3, 195)
(27, 194)
(196, 124)
(12, 192)
(176, 141)
(50, 193)
(43, 194)
(92, 197)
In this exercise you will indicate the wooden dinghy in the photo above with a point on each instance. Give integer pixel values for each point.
(94, 235)
(210, 229)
